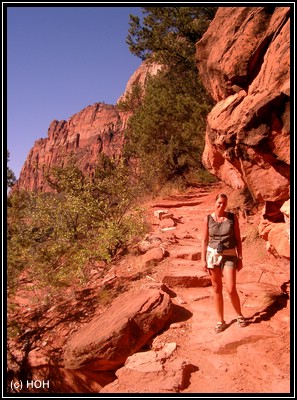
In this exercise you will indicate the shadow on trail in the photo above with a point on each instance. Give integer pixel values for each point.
(278, 304)
(180, 314)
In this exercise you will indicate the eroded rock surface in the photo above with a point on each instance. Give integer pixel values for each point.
(95, 130)
(106, 342)
(247, 72)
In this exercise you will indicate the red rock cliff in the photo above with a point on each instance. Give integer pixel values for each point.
(244, 62)
(96, 129)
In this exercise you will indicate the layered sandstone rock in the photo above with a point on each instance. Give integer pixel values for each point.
(94, 130)
(107, 341)
(140, 77)
(97, 129)
(244, 62)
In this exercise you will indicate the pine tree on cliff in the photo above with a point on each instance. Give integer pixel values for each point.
(166, 132)
(169, 34)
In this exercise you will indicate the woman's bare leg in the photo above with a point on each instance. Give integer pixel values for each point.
(230, 283)
(216, 281)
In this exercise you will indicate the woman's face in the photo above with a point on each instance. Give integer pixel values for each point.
(220, 205)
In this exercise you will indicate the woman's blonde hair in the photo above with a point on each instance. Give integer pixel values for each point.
(221, 196)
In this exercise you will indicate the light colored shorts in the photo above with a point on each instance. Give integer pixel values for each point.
(226, 262)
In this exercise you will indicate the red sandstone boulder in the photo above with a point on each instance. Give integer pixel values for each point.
(278, 238)
(152, 372)
(153, 256)
(106, 342)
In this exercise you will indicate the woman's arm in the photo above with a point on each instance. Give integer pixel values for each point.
(204, 243)
(238, 241)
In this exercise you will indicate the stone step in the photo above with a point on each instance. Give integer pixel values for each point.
(183, 263)
(186, 252)
(175, 204)
(185, 274)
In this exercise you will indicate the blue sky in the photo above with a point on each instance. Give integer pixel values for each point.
(59, 61)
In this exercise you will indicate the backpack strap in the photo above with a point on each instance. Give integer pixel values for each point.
(231, 216)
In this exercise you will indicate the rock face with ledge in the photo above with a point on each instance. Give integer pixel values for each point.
(244, 62)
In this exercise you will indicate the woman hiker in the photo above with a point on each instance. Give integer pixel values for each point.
(222, 253)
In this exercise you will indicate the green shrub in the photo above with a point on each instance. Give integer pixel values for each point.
(54, 235)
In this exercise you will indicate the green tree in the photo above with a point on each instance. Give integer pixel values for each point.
(11, 179)
(166, 132)
(56, 234)
(133, 99)
(168, 34)
(19, 239)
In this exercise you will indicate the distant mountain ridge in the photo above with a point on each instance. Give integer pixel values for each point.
(96, 129)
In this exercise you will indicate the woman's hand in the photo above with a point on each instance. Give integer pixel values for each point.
(204, 266)
(239, 264)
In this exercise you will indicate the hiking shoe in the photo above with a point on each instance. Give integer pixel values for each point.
(241, 321)
(220, 326)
